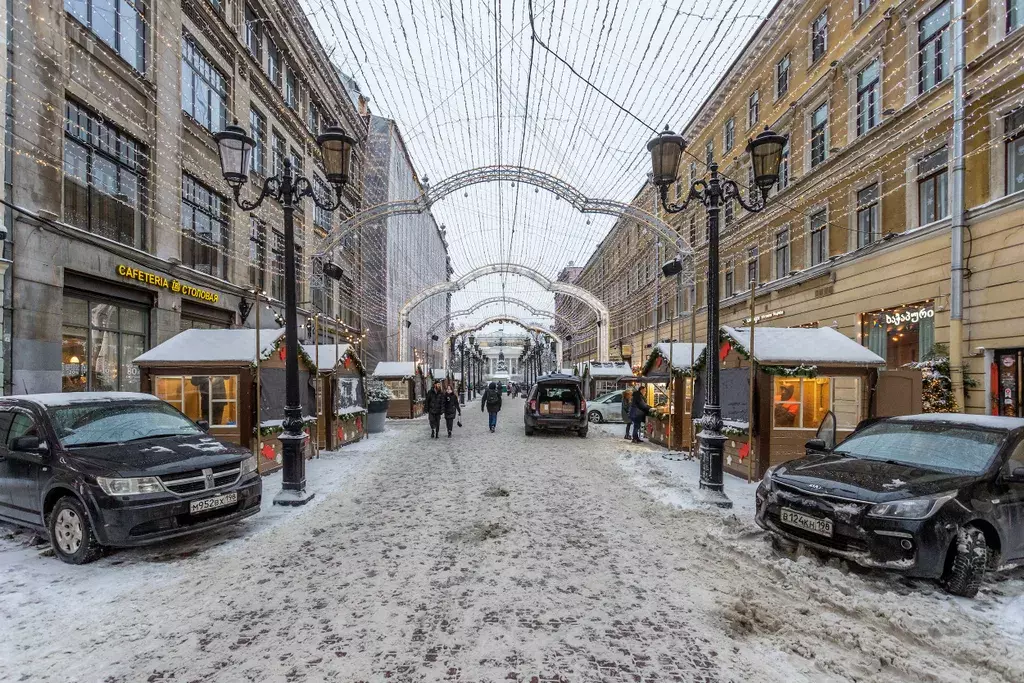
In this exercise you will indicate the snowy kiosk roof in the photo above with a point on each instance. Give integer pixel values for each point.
(330, 354)
(194, 347)
(608, 369)
(803, 346)
(679, 352)
(393, 368)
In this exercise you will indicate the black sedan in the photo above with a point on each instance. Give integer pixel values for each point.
(116, 469)
(937, 496)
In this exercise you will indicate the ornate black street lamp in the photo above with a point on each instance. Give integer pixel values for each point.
(765, 156)
(235, 148)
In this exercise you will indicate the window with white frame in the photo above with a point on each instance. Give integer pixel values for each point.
(313, 117)
(782, 253)
(728, 136)
(728, 279)
(1013, 126)
(709, 152)
(121, 25)
(291, 90)
(819, 36)
(258, 128)
(322, 217)
(819, 134)
(863, 6)
(754, 108)
(753, 271)
(273, 62)
(932, 186)
(867, 215)
(817, 226)
(868, 96)
(783, 182)
(782, 77)
(1014, 15)
(204, 89)
(802, 402)
(253, 35)
(934, 53)
(693, 172)
(729, 212)
(693, 229)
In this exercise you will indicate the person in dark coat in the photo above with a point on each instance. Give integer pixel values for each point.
(625, 406)
(638, 413)
(492, 402)
(435, 408)
(451, 407)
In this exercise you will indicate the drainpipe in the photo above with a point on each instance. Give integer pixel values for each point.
(956, 289)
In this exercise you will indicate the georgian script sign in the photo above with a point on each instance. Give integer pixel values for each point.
(909, 316)
(158, 280)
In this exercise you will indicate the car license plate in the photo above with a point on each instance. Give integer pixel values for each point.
(816, 525)
(207, 504)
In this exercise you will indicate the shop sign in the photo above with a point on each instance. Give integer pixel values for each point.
(158, 280)
(765, 316)
(915, 316)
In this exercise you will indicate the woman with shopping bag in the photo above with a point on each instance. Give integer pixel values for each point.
(451, 408)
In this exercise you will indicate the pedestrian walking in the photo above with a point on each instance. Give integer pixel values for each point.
(627, 403)
(492, 402)
(451, 408)
(638, 413)
(435, 408)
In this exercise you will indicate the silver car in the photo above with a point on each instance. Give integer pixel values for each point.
(606, 408)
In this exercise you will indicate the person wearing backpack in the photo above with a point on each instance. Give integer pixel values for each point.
(492, 402)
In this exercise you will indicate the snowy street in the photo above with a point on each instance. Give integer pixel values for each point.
(492, 557)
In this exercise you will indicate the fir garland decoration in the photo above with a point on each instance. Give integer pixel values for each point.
(808, 371)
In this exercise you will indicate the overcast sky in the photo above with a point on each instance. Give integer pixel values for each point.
(469, 89)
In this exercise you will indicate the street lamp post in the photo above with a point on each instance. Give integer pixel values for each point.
(462, 384)
(765, 157)
(235, 148)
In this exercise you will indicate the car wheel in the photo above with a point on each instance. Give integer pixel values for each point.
(582, 433)
(71, 533)
(969, 561)
(529, 431)
(595, 416)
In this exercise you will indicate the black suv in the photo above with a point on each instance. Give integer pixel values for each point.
(936, 496)
(556, 402)
(116, 469)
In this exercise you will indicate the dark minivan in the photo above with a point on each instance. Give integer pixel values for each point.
(937, 496)
(116, 469)
(556, 403)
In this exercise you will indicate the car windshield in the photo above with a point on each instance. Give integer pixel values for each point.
(942, 447)
(90, 424)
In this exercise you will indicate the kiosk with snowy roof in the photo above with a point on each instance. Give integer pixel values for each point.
(211, 375)
(405, 379)
(659, 383)
(600, 378)
(341, 408)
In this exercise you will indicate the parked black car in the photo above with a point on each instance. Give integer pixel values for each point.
(116, 469)
(937, 496)
(556, 403)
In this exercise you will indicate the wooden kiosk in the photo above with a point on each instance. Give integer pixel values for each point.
(406, 383)
(800, 374)
(211, 375)
(341, 408)
(603, 378)
(669, 369)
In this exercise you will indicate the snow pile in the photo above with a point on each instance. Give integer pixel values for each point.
(212, 346)
(821, 346)
(330, 355)
(680, 354)
(608, 370)
(390, 368)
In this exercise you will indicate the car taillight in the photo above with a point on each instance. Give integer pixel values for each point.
(583, 406)
(533, 406)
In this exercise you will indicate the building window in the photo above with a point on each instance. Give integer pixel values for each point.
(801, 403)
(1014, 128)
(257, 253)
(819, 135)
(709, 153)
(291, 90)
(693, 230)
(729, 136)
(258, 126)
(279, 153)
(313, 118)
(782, 253)
(321, 217)
(277, 266)
(99, 341)
(783, 182)
(729, 211)
(104, 178)
(819, 36)
(693, 172)
(213, 398)
(867, 215)
(863, 6)
(204, 92)
(818, 226)
(782, 77)
(933, 48)
(753, 272)
(753, 108)
(253, 39)
(273, 63)
(120, 24)
(204, 228)
(900, 335)
(932, 195)
(1014, 15)
(728, 278)
(868, 97)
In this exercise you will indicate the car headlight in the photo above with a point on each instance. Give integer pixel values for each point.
(911, 508)
(248, 465)
(767, 478)
(134, 486)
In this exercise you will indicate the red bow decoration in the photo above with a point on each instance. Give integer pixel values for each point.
(659, 362)
(348, 362)
(359, 422)
(724, 351)
(268, 451)
(341, 434)
(744, 451)
(280, 353)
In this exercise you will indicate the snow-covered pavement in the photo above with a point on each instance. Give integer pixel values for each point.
(492, 557)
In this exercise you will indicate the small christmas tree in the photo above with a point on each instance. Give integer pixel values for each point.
(937, 387)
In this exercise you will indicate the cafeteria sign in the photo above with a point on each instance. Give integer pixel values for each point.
(160, 281)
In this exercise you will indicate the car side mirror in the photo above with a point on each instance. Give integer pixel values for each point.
(1017, 474)
(204, 425)
(816, 446)
(28, 448)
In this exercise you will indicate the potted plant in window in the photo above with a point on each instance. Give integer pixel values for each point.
(378, 397)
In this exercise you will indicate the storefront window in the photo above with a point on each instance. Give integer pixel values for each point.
(1008, 370)
(900, 335)
(99, 342)
(802, 402)
(399, 387)
(213, 398)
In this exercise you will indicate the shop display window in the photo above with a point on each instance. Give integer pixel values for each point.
(99, 341)
(399, 387)
(213, 398)
(802, 402)
(900, 335)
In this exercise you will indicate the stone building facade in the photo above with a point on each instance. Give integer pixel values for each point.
(125, 232)
(857, 235)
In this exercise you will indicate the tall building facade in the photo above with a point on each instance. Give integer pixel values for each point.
(125, 232)
(858, 232)
(402, 255)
